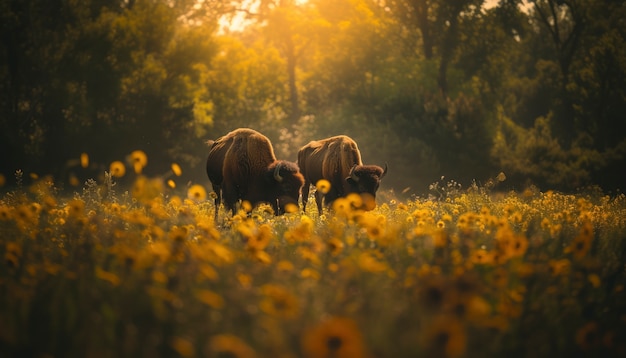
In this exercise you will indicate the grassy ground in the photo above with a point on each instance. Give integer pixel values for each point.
(144, 271)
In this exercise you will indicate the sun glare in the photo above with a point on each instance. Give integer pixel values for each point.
(237, 21)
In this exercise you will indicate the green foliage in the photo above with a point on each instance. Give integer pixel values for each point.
(84, 74)
(536, 154)
(246, 83)
(422, 85)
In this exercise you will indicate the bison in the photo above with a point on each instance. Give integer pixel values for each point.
(241, 165)
(338, 160)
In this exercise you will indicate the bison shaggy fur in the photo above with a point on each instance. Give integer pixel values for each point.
(338, 160)
(241, 165)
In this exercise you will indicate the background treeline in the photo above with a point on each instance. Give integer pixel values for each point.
(454, 88)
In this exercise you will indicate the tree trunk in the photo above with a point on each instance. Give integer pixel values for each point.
(421, 9)
(291, 72)
(447, 47)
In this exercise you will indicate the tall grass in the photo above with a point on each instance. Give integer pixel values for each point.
(144, 271)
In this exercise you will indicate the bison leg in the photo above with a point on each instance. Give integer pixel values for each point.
(305, 194)
(319, 199)
(329, 198)
(218, 198)
(231, 196)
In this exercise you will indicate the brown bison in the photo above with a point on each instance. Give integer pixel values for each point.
(242, 166)
(338, 160)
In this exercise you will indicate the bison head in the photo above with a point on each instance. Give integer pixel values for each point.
(284, 185)
(365, 180)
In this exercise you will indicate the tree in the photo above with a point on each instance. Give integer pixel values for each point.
(572, 91)
(437, 17)
(81, 75)
(563, 19)
(286, 25)
(246, 85)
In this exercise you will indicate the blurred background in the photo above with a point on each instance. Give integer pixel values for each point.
(460, 89)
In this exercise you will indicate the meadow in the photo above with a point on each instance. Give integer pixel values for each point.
(145, 271)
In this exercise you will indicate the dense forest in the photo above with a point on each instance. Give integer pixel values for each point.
(460, 89)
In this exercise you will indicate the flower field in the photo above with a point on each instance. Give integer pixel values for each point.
(145, 271)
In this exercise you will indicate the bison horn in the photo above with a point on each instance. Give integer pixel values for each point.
(277, 173)
(384, 171)
(353, 174)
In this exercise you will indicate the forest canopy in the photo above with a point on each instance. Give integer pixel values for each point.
(462, 89)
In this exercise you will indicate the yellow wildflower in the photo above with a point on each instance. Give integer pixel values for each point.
(445, 337)
(334, 246)
(341, 207)
(367, 262)
(160, 250)
(110, 277)
(440, 238)
(117, 169)
(13, 254)
(433, 292)
(221, 252)
(368, 202)
(477, 309)
(559, 267)
(323, 186)
(518, 246)
(176, 169)
(183, 346)
(260, 238)
(338, 337)
(581, 243)
(588, 336)
(75, 208)
(5, 213)
(355, 200)
(159, 277)
(595, 280)
(244, 280)
(244, 209)
(84, 160)
(262, 256)
(284, 266)
(291, 208)
(302, 231)
(279, 302)
(227, 345)
(138, 159)
(197, 193)
(309, 255)
(73, 179)
(207, 271)
(310, 273)
(210, 298)
(178, 233)
(137, 216)
(26, 215)
(158, 210)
